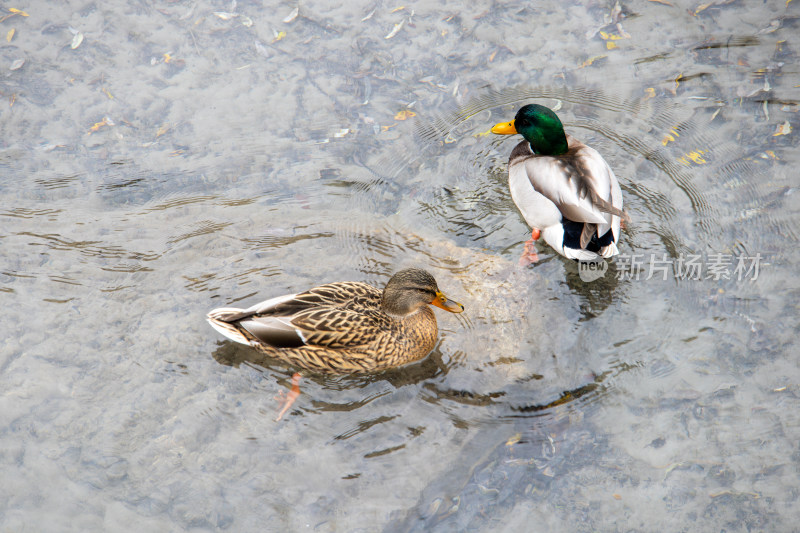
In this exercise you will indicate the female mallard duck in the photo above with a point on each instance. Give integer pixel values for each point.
(564, 189)
(343, 327)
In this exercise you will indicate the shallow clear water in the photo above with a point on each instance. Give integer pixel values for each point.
(188, 155)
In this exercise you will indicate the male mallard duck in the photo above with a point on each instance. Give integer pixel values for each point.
(564, 189)
(343, 327)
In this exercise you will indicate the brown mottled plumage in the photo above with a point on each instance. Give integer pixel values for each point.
(343, 327)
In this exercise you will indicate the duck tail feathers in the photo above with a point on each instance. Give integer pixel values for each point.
(228, 314)
(228, 330)
(609, 251)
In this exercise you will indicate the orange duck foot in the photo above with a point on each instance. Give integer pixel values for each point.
(529, 255)
(287, 400)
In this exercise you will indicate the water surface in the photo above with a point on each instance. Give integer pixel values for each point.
(159, 160)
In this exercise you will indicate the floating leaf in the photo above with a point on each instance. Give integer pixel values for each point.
(592, 60)
(613, 37)
(97, 125)
(695, 156)
(278, 36)
(225, 15)
(395, 30)
(17, 64)
(405, 114)
(10, 35)
(18, 12)
(677, 83)
(77, 39)
(609, 38)
(701, 7)
(292, 15)
(670, 137)
(783, 129)
(167, 58)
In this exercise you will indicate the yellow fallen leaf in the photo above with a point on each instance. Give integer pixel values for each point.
(405, 114)
(610, 45)
(278, 36)
(613, 37)
(695, 156)
(10, 35)
(18, 12)
(98, 125)
(783, 129)
(670, 137)
(650, 92)
(167, 58)
(591, 60)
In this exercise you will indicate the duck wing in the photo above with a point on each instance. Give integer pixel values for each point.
(335, 315)
(581, 184)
